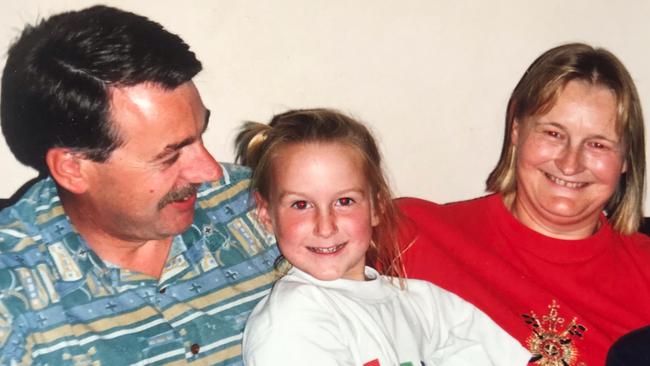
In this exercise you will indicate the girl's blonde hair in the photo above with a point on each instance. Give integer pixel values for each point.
(536, 94)
(258, 144)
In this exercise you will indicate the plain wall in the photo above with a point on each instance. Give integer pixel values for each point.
(431, 78)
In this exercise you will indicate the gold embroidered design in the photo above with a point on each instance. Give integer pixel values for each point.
(551, 344)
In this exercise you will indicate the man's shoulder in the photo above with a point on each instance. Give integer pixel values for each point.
(20, 222)
(233, 187)
(234, 173)
(234, 176)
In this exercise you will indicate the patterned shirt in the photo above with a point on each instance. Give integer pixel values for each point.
(60, 304)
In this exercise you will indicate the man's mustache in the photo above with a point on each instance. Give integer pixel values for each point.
(178, 194)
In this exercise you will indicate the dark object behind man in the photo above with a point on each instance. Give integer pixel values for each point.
(632, 349)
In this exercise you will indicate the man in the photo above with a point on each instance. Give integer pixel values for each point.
(138, 247)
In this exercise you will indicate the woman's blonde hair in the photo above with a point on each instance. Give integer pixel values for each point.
(536, 94)
(258, 144)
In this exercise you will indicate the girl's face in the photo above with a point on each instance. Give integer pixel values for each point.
(320, 209)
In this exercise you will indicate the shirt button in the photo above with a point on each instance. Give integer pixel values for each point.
(163, 290)
(195, 348)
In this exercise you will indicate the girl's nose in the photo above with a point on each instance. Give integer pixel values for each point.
(326, 224)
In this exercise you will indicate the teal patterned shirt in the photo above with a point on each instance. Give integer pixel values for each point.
(60, 304)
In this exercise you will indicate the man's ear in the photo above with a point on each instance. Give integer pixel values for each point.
(262, 211)
(66, 167)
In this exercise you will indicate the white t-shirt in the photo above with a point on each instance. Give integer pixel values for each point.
(305, 321)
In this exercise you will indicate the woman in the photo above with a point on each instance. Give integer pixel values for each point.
(553, 255)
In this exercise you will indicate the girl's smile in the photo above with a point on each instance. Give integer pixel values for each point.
(320, 209)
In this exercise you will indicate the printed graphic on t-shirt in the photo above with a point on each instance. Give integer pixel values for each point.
(376, 362)
(551, 343)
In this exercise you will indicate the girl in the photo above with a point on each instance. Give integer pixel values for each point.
(320, 189)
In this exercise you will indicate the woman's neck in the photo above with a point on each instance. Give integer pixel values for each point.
(567, 229)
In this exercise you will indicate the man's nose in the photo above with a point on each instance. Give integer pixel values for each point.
(201, 166)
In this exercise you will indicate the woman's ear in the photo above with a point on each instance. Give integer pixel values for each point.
(66, 167)
(514, 132)
(262, 211)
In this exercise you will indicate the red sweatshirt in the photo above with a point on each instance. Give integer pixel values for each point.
(567, 301)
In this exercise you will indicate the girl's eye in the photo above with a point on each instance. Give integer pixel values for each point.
(300, 205)
(345, 201)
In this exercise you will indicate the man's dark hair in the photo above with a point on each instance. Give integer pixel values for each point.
(57, 79)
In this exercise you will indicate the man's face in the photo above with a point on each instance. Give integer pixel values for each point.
(147, 188)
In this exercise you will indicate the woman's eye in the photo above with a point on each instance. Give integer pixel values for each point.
(345, 201)
(553, 134)
(597, 145)
(300, 205)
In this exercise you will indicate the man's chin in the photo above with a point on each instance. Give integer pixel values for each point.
(177, 224)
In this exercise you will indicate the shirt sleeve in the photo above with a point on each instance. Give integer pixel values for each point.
(469, 337)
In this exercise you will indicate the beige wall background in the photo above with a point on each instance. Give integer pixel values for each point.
(431, 78)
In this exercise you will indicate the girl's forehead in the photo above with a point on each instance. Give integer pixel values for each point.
(298, 153)
(316, 164)
(318, 146)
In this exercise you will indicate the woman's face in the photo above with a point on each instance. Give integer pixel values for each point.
(569, 162)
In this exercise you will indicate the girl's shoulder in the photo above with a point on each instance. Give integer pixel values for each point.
(288, 289)
(290, 306)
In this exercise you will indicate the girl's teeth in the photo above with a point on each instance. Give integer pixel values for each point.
(328, 250)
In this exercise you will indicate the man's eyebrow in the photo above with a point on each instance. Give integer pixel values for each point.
(171, 148)
(187, 141)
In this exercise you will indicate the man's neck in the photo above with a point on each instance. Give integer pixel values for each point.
(143, 256)
(148, 257)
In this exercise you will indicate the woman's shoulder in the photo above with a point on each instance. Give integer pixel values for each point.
(420, 214)
(637, 245)
(411, 205)
(638, 238)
